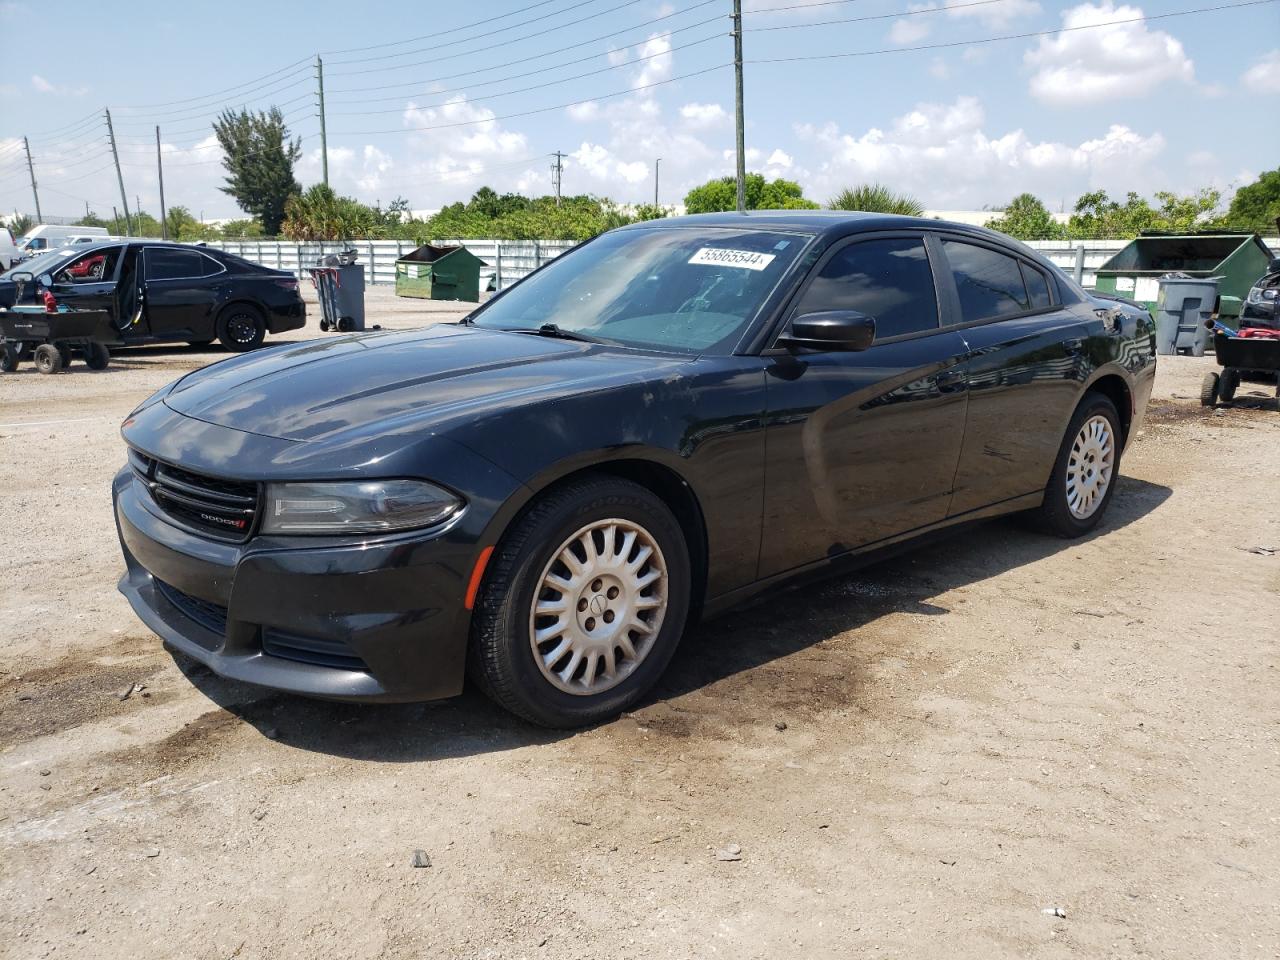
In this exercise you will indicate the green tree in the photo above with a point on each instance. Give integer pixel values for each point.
(259, 157)
(91, 219)
(719, 195)
(1180, 214)
(1256, 207)
(1097, 216)
(242, 229)
(876, 198)
(321, 214)
(21, 223)
(649, 211)
(1026, 218)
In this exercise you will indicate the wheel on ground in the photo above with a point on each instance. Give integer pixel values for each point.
(10, 355)
(1228, 383)
(241, 327)
(96, 356)
(1209, 389)
(582, 604)
(1084, 474)
(48, 358)
(66, 354)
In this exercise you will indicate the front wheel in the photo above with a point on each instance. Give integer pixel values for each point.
(241, 328)
(1228, 384)
(583, 604)
(10, 355)
(1083, 478)
(48, 358)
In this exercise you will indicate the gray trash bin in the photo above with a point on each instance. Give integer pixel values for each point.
(339, 284)
(1184, 305)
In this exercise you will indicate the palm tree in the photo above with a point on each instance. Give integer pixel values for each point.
(876, 198)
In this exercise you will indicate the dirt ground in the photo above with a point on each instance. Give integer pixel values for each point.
(916, 761)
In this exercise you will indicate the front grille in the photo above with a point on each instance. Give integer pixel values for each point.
(224, 508)
(209, 615)
(314, 650)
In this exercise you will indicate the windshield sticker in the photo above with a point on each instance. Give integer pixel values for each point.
(742, 259)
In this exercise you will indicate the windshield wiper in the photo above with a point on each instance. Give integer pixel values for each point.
(551, 330)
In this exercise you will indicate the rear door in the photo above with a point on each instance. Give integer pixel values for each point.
(861, 446)
(179, 292)
(1025, 368)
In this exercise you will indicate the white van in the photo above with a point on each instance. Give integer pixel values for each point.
(50, 237)
(9, 252)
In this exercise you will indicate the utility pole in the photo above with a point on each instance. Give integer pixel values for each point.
(164, 221)
(324, 139)
(124, 200)
(556, 169)
(737, 91)
(31, 169)
(655, 180)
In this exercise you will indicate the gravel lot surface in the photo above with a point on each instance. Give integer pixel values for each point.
(917, 761)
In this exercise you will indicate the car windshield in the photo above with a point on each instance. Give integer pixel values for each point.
(41, 264)
(674, 288)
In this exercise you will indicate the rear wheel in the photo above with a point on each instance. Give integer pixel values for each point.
(1228, 383)
(1083, 478)
(1209, 389)
(10, 354)
(96, 356)
(48, 358)
(583, 604)
(241, 327)
(66, 354)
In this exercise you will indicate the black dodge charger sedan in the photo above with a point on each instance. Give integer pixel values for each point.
(650, 428)
(157, 292)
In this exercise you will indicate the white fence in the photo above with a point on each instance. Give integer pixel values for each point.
(508, 260)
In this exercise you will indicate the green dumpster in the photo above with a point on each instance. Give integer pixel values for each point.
(1238, 258)
(439, 273)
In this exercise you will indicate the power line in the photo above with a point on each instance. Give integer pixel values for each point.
(878, 16)
(558, 106)
(441, 33)
(1011, 36)
(492, 46)
(489, 33)
(538, 56)
(219, 93)
(526, 88)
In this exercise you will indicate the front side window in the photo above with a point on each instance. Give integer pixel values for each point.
(989, 283)
(887, 279)
(668, 288)
(164, 264)
(90, 268)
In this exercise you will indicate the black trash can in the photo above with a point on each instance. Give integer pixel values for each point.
(339, 283)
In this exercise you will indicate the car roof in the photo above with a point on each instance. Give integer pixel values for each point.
(821, 222)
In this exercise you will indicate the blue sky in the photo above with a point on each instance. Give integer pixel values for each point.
(1164, 104)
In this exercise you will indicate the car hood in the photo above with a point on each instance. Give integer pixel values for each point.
(320, 389)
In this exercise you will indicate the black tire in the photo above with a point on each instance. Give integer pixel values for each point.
(48, 358)
(501, 656)
(1209, 389)
(96, 356)
(1055, 515)
(10, 355)
(1228, 383)
(66, 354)
(241, 327)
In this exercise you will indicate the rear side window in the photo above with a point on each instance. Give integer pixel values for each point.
(165, 264)
(888, 279)
(989, 283)
(1037, 287)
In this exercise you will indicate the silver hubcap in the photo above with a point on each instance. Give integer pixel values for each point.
(1089, 467)
(599, 607)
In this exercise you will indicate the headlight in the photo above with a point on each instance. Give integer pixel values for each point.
(373, 506)
(1255, 295)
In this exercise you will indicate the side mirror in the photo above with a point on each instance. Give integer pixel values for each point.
(832, 330)
(21, 276)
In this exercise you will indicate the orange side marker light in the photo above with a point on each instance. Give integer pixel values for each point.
(473, 587)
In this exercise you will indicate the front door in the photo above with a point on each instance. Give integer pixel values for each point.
(178, 295)
(861, 446)
(88, 282)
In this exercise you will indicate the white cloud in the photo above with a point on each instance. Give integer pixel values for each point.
(700, 115)
(599, 163)
(994, 15)
(583, 112)
(943, 153)
(1264, 75)
(466, 128)
(658, 67)
(1106, 63)
(618, 57)
(938, 69)
(780, 159)
(908, 30)
(41, 85)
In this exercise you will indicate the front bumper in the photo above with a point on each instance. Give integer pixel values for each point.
(381, 620)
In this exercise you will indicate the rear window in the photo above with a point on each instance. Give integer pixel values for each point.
(989, 283)
(167, 264)
(1037, 287)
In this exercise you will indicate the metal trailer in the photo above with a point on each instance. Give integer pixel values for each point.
(1245, 357)
(49, 339)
